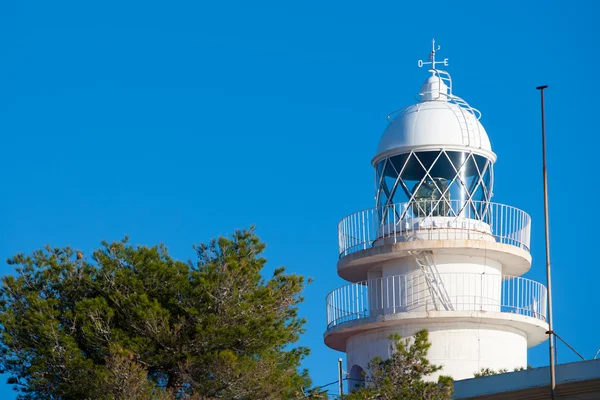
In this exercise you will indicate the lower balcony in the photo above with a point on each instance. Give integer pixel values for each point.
(418, 293)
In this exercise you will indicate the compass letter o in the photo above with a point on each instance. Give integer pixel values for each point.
(420, 63)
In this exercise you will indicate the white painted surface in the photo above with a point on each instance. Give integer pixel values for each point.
(535, 328)
(432, 123)
(461, 349)
(446, 263)
(354, 266)
(434, 89)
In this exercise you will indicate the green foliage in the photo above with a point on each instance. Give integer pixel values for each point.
(402, 375)
(490, 372)
(133, 323)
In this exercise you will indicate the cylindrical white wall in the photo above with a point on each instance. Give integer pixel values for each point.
(449, 263)
(461, 348)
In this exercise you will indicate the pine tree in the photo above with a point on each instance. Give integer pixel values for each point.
(131, 322)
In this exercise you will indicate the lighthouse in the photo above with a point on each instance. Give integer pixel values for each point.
(436, 252)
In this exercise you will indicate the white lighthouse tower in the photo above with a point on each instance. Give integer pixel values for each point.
(436, 253)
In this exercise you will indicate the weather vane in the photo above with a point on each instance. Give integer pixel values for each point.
(432, 61)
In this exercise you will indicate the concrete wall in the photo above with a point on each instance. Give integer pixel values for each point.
(462, 348)
(446, 263)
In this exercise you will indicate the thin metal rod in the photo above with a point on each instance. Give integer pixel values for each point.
(340, 378)
(548, 275)
(569, 346)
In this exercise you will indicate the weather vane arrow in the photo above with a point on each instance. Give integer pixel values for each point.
(432, 61)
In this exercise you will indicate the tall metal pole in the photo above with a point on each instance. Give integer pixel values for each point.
(548, 275)
(340, 378)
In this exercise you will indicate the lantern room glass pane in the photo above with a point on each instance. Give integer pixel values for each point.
(429, 176)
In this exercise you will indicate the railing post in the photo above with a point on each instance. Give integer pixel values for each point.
(405, 293)
(369, 226)
(481, 292)
(394, 294)
(394, 222)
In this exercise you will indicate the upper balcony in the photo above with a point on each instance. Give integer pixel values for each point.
(494, 230)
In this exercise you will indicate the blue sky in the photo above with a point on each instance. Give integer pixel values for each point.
(179, 121)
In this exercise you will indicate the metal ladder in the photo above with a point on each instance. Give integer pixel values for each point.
(435, 284)
(469, 130)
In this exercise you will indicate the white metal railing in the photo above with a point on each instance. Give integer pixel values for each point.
(410, 293)
(434, 219)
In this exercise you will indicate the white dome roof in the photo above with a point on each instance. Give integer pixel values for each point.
(434, 124)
